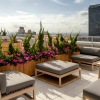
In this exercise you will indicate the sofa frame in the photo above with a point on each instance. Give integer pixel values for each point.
(86, 97)
(93, 51)
(93, 64)
(18, 93)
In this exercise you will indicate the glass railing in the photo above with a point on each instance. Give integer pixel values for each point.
(93, 41)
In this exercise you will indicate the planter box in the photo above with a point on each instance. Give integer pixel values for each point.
(6, 67)
(20, 67)
(63, 57)
(75, 53)
(27, 68)
(30, 68)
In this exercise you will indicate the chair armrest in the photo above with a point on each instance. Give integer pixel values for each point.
(2, 82)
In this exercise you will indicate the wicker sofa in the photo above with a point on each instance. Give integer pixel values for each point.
(88, 56)
(14, 83)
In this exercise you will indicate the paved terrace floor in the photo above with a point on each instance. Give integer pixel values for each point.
(72, 91)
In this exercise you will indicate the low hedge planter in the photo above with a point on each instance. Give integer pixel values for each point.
(29, 67)
(75, 53)
(63, 57)
(6, 67)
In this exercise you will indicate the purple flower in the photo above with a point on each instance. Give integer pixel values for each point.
(27, 58)
(14, 60)
(18, 54)
(7, 63)
(20, 60)
(1, 60)
(32, 57)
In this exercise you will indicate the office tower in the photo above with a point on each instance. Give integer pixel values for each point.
(94, 20)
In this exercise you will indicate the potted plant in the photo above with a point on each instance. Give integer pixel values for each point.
(26, 43)
(40, 43)
(61, 46)
(73, 44)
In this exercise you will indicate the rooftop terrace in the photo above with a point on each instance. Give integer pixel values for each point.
(72, 91)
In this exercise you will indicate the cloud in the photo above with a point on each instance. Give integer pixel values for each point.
(78, 1)
(83, 13)
(21, 12)
(59, 2)
(54, 23)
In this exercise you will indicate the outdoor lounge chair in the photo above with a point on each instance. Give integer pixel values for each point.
(92, 92)
(14, 83)
(88, 56)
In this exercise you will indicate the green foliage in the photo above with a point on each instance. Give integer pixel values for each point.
(11, 49)
(49, 39)
(41, 38)
(33, 49)
(73, 40)
(13, 38)
(3, 32)
(62, 39)
(0, 46)
(2, 55)
(56, 43)
(62, 45)
(73, 43)
(26, 43)
(17, 50)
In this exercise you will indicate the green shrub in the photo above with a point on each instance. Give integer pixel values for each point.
(11, 49)
(4, 33)
(73, 43)
(62, 39)
(13, 38)
(49, 39)
(33, 49)
(0, 46)
(56, 43)
(26, 43)
(40, 43)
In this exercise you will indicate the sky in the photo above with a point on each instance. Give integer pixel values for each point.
(57, 16)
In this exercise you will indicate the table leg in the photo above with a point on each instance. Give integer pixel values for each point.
(99, 73)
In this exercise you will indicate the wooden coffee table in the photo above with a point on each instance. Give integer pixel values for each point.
(52, 72)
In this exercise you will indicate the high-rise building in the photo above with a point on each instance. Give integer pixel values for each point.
(29, 31)
(21, 30)
(94, 20)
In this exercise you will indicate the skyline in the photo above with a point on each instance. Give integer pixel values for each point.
(58, 16)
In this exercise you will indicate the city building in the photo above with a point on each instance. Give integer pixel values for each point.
(34, 33)
(21, 30)
(94, 20)
(29, 31)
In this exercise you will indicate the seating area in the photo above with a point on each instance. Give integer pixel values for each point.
(42, 76)
(14, 83)
(88, 56)
(92, 91)
(72, 91)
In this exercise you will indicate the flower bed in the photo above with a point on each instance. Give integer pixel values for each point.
(25, 60)
(27, 68)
